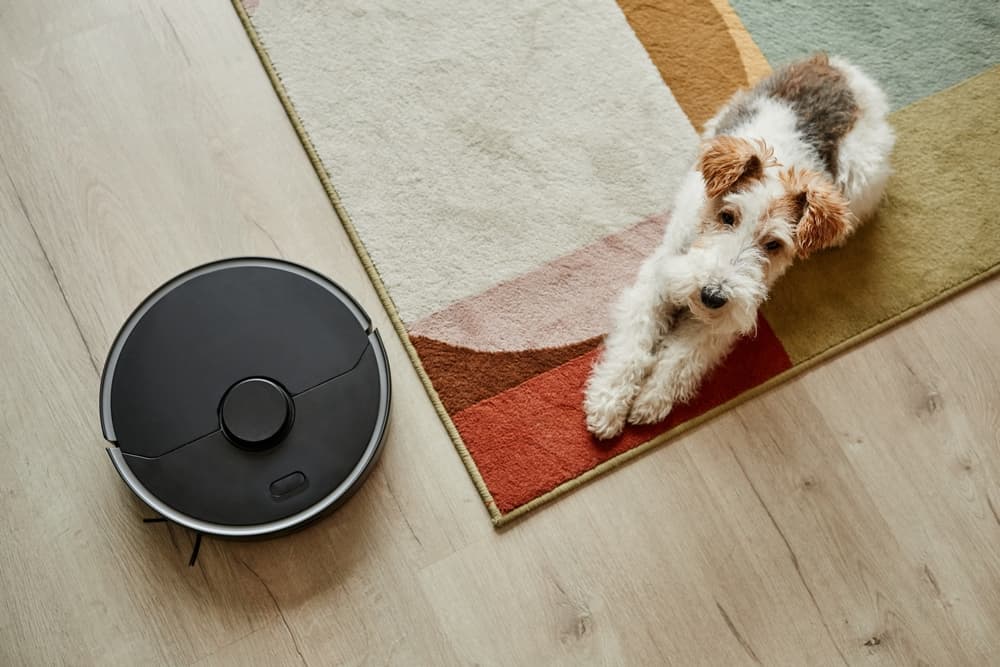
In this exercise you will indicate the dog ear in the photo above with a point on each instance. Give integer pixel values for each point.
(825, 218)
(728, 163)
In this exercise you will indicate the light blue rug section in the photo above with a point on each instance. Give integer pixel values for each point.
(914, 48)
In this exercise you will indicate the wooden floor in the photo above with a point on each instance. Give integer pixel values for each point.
(851, 516)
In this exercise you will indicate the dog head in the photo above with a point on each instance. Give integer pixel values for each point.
(757, 218)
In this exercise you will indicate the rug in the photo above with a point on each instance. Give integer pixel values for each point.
(503, 168)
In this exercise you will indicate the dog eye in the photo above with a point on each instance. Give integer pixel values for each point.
(772, 246)
(727, 218)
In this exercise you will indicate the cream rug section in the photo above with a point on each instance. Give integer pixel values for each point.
(471, 142)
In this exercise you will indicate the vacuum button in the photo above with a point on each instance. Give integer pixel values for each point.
(256, 414)
(287, 485)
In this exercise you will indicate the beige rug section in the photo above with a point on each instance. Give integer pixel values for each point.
(472, 142)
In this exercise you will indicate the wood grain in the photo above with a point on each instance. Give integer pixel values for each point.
(848, 517)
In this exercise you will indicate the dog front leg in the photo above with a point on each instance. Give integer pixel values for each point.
(682, 361)
(641, 318)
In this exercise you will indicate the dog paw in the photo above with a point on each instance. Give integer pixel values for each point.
(649, 408)
(605, 414)
(606, 421)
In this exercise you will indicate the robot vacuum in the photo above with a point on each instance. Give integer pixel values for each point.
(245, 398)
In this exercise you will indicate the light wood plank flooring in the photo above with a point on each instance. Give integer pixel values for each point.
(850, 517)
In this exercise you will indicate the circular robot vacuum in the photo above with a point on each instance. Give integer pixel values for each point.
(245, 398)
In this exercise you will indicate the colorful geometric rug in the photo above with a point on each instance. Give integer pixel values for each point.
(502, 168)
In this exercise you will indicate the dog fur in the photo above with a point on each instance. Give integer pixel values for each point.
(786, 169)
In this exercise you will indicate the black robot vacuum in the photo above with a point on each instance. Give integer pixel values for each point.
(245, 398)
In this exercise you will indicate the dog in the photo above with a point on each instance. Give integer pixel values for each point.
(787, 168)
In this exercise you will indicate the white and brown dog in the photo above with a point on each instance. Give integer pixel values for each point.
(787, 168)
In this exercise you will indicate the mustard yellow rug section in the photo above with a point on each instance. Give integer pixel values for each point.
(675, 35)
(937, 229)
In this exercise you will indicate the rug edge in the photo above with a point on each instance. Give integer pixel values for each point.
(366, 261)
(798, 369)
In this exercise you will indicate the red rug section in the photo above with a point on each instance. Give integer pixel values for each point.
(530, 439)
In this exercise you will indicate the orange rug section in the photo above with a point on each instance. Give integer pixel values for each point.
(529, 439)
(675, 34)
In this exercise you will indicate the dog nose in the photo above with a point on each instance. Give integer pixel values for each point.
(712, 298)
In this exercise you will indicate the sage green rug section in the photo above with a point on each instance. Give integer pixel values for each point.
(937, 230)
(915, 48)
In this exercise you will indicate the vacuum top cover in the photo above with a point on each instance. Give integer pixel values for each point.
(245, 397)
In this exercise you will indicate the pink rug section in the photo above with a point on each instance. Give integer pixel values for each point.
(563, 302)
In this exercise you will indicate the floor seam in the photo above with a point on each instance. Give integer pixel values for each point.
(791, 553)
(52, 271)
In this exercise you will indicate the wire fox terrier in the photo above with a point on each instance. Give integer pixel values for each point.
(786, 168)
